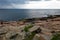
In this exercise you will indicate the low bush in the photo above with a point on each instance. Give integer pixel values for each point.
(56, 36)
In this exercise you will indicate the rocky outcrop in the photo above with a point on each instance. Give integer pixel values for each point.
(43, 29)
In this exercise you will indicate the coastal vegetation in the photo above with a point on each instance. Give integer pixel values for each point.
(29, 36)
(56, 36)
(27, 27)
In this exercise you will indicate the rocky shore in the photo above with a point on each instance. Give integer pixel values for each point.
(43, 27)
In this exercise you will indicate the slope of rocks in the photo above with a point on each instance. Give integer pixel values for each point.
(13, 30)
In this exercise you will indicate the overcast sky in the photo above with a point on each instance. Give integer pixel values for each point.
(29, 4)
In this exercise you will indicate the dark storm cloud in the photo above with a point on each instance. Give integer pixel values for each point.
(35, 0)
(10, 2)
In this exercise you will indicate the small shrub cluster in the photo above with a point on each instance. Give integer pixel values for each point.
(56, 36)
(29, 36)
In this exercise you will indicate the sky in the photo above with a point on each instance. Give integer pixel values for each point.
(11, 3)
(30, 4)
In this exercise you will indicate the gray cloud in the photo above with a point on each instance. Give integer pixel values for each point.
(35, 0)
(5, 3)
(12, 1)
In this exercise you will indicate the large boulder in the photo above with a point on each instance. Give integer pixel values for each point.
(35, 29)
(11, 35)
(3, 31)
(36, 37)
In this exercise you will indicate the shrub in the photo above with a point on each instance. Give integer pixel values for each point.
(56, 36)
(29, 36)
(27, 27)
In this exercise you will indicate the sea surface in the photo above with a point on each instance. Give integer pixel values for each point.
(16, 14)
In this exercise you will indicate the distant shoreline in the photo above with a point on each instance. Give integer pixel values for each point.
(40, 18)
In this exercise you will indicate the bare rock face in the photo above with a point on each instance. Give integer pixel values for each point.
(14, 31)
(42, 38)
(3, 31)
(36, 37)
(35, 29)
(11, 34)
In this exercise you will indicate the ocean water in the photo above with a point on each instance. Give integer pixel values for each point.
(16, 14)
